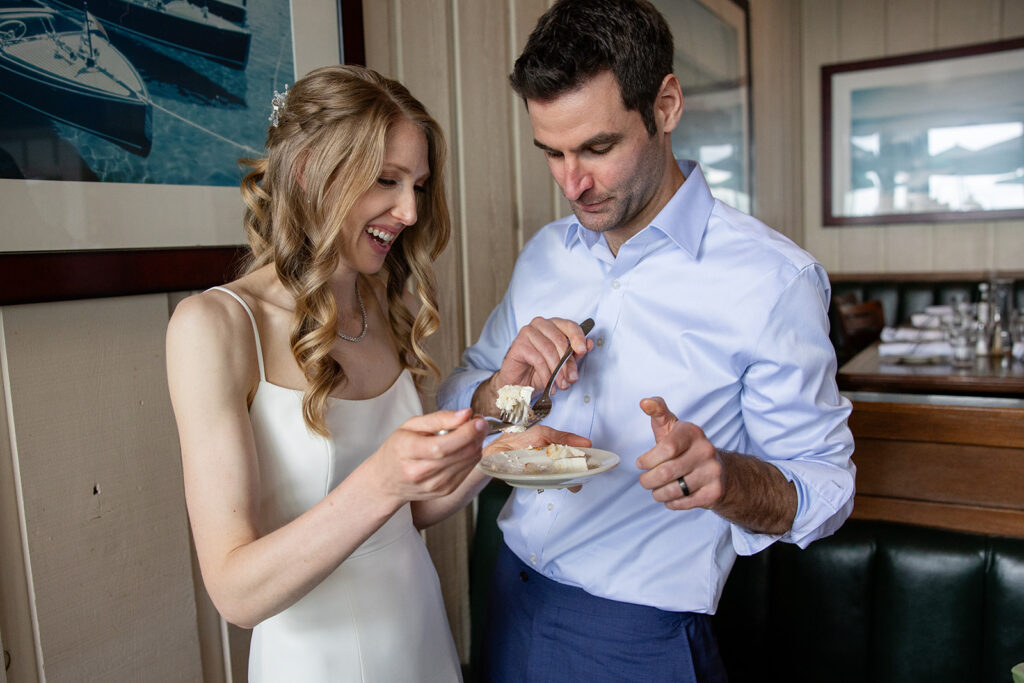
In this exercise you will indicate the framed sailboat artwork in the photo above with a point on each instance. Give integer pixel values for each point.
(121, 126)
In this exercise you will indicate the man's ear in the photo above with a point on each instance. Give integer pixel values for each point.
(668, 104)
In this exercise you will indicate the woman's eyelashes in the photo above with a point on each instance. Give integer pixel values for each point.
(390, 182)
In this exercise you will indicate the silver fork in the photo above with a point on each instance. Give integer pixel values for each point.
(542, 406)
(494, 425)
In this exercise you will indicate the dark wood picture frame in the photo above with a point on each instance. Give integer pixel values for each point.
(829, 73)
(35, 276)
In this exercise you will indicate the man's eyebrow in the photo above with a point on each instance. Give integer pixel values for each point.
(596, 141)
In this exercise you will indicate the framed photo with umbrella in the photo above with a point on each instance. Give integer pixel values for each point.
(927, 137)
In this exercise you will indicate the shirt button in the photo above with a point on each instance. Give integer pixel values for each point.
(615, 284)
(600, 341)
(533, 559)
(551, 506)
(586, 399)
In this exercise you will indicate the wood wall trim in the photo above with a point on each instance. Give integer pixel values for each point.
(972, 519)
(927, 276)
(36, 277)
(942, 473)
(997, 427)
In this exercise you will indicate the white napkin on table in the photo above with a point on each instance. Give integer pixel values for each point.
(930, 320)
(932, 348)
(911, 334)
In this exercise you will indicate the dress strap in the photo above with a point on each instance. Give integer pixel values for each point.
(255, 330)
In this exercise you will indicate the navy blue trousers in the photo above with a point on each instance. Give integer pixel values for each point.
(541, 631)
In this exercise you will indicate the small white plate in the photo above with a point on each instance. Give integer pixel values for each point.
(508, 465)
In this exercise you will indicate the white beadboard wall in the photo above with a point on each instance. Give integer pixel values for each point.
(103, 585)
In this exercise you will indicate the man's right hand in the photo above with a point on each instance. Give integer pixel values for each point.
(532, 357)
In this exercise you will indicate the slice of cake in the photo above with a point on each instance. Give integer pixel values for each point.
(567, 465)
(566, 459)
(558, 451)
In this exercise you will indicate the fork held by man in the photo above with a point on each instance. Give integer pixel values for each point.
(525, 415)
(542, 406)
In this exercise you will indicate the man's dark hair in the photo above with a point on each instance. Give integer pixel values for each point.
(577, 39)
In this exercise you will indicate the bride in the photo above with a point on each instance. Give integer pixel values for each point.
(308, 464)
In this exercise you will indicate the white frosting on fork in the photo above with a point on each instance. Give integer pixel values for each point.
(513, 398)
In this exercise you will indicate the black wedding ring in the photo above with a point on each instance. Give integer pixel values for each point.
(683, 486)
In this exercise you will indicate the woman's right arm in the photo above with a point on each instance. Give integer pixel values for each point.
(211, 360)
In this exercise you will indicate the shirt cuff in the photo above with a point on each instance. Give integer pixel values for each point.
(457, 391)
(824, 501)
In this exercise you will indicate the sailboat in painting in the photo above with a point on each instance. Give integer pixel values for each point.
(68, 70)
(179, 23)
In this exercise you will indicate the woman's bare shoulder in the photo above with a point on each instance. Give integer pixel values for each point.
(211, 344)
(211, 314)
(217, 314)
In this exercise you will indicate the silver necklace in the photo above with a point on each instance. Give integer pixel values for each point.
(362, 310)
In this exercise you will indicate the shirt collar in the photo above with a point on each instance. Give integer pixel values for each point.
(683, 219)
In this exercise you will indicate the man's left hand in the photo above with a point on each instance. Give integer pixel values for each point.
(681, 451)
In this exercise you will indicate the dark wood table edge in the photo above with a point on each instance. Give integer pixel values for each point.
(851, 377)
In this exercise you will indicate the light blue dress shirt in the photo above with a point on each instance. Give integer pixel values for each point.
(724, 318)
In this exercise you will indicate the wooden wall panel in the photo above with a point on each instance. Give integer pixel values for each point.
(485, 156)
(960, 23)
(426, 68)
(861, 29)
(909, 26)
(777, 124)
(940, 465)
(536, 191)
(818, 23)
(1012, 22)
(379, 37)
(101, 481)
(938, 473)
(972, 519)
(973, 425)
(15, 597)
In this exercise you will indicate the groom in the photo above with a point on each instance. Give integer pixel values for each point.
(709, 372)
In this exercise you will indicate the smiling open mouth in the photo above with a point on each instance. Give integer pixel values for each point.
(382, 237)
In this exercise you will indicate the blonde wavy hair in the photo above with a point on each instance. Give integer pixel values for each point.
(325, 152)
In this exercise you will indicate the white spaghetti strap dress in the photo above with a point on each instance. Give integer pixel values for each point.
(379, 617)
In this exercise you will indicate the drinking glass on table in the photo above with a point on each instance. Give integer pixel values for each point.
(962, 332)
(1017, 333)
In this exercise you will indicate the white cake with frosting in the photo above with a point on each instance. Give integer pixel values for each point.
(565, 459)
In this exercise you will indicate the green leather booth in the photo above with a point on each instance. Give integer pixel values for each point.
(876, 602)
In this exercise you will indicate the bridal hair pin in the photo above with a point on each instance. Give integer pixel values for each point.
(277, 104)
